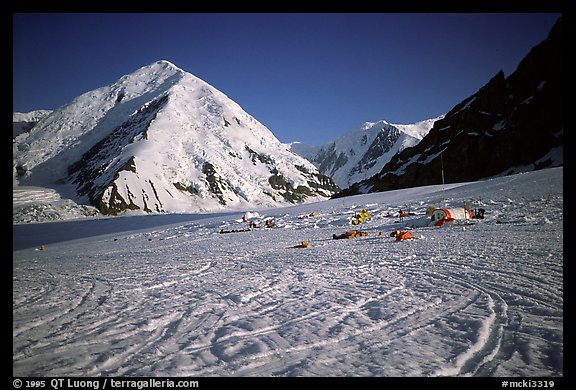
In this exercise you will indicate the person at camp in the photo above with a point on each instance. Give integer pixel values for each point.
(401, 235)
(402, 214)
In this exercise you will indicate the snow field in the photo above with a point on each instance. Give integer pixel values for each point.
(484, 299)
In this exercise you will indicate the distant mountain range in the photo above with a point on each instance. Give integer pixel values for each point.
(361, 153)
(512, 124)
(161, 140)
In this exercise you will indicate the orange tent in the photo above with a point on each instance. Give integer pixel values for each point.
(402, 235)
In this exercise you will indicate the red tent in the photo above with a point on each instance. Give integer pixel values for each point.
(441, 216)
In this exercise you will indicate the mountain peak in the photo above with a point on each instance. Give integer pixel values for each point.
(360, 153)
(165, 63)
(163, 66)
(154, 73)
(418, 129)
(162, 140)
(371, 125)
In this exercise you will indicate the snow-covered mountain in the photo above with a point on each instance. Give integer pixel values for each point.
(162, 140)
(361, 153)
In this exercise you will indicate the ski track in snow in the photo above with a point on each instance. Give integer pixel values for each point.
(183, 300)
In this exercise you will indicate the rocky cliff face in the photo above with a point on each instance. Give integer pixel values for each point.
(512, 124)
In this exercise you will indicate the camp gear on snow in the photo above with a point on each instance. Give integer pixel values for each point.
(350, 234)
(401, 235)
(362, 217)
(311, 215)
(479, 213)
(303, 244)
(222, 231)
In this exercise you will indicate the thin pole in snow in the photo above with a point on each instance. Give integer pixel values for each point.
(442, 170)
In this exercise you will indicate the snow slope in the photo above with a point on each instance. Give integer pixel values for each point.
(176, 298)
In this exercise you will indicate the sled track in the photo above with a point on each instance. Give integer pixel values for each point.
(251, 329)
(489, 333)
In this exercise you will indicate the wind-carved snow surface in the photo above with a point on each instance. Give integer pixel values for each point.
(177, 298)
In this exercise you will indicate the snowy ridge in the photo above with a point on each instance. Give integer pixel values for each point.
(24, 122)
(32, 116)
(162, 140)
(169, 295)
(419, 129)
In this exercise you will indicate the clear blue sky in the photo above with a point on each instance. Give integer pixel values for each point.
(307, 77)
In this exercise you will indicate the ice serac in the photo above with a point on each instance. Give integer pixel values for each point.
(512, 124)
(162, 140)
